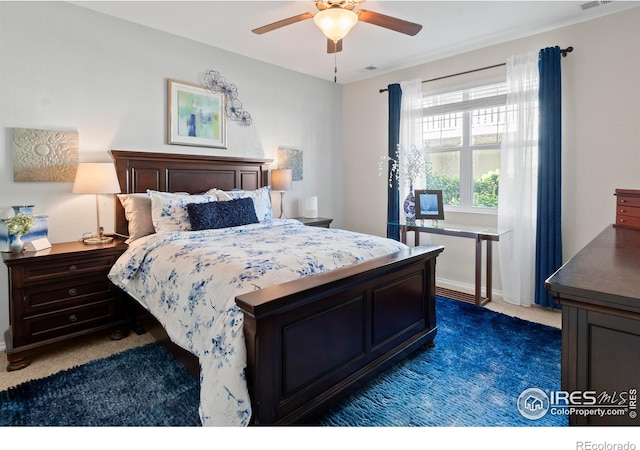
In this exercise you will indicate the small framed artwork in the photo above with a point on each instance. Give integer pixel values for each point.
(429, 204)
(196, 115)
(291, 158)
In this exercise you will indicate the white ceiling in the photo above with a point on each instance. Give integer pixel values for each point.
(449, 28)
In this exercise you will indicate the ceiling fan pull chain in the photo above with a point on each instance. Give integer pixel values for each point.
(335, 62)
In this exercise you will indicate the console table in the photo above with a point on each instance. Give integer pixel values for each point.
(599, 290)
(479, 234)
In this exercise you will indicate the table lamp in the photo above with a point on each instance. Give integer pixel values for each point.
(281, 181)
(96, 178)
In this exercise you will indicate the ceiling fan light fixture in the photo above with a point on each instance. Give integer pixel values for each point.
(335, 23)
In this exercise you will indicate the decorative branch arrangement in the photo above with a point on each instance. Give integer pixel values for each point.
(406, 170)
(216, 83)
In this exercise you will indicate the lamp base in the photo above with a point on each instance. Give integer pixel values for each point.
(98, 240)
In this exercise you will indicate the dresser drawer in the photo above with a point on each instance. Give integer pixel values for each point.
(37, 272)
(628, 221)
(632, 201)
(65, 322)
(43, 298)
(628, 211)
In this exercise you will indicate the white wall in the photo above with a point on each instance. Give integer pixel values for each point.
(601, 134)
(67, 68)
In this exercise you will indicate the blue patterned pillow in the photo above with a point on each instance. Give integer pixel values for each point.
(222, 214)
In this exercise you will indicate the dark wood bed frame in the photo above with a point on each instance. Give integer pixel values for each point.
(310, 341)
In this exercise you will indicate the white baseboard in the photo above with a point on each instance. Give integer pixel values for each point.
(3, 346)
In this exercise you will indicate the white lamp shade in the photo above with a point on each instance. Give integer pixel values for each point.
(96, 178)
(281, 179)
(335, 22)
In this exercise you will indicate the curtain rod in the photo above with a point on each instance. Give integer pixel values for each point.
(563, 51)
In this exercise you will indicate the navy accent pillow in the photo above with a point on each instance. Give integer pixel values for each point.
(221, 214)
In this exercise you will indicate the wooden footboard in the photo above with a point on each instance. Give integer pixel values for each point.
(311, 341)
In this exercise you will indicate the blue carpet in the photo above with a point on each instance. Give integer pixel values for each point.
(481, 363)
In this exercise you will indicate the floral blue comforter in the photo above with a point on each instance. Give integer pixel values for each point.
(189, 281)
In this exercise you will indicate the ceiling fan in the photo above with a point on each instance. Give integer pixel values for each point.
(336, 18)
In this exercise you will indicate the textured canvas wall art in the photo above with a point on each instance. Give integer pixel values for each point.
(44, 155)
(291, 158)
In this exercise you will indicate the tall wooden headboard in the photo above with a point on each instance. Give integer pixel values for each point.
(170, 172)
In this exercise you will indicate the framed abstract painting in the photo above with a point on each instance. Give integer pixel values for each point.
(196, 115)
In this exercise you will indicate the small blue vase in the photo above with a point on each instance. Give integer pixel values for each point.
(410, 206)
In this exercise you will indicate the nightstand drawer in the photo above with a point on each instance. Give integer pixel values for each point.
(36, 272)
(43, 298)
(47, 326)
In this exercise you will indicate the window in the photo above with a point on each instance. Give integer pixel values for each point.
(462, 136)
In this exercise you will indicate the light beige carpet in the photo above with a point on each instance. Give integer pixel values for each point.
(75, 353)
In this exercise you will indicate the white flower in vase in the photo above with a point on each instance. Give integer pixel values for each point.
(405, 170)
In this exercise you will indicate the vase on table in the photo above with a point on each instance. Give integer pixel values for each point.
(16, 245)
(410, 206)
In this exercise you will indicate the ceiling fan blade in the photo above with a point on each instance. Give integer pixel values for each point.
(334, 47)
(283, 23)
(389, 22)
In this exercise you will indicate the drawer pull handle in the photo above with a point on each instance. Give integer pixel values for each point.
(73, 291)
(621, 220)
(73, 318)
(73, 268)
(622, 200)
(622, 210)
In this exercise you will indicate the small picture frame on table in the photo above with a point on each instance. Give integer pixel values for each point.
(429, 204)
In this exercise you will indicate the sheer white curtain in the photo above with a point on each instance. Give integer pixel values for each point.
(411, 135)
(518, 181)
(411, 127)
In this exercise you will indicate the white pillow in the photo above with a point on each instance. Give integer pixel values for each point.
(261, 201)
(169, 210)
(222, 195)
(137, 211)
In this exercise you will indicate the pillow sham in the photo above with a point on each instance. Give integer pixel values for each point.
(222, 214)
(261, 201)
(169, 210)
(137, 211)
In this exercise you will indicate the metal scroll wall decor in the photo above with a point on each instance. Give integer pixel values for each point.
(216, 83)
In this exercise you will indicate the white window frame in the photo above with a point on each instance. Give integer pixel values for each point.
(465, 150)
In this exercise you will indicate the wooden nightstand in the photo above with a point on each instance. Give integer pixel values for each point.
(316, 222)
(61, 293)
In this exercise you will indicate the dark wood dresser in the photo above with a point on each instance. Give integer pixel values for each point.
(60, 293)
(599, 290)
